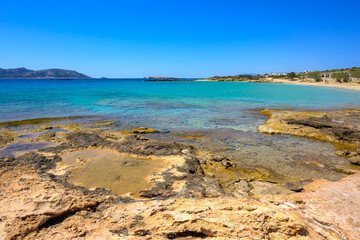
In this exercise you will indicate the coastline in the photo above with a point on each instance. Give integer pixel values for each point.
(190, 194)
(348, 86)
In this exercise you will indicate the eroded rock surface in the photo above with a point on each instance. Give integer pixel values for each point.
(34, 207)
(342, 128)
(328, 126)
(332, 205)
(5, 139)
(29, 201)
(197, 196)
(219, 218)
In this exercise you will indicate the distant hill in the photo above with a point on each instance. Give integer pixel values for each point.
(47, 73)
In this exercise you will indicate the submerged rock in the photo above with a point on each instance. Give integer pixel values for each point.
(265, 188)
(103, 124)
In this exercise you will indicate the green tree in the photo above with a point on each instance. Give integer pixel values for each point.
(292, 75)
(341, 76)
(355, 73)
(315, 75)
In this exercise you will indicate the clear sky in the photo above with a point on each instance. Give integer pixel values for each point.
(187, 38)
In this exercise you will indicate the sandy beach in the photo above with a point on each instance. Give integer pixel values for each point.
(349, 86)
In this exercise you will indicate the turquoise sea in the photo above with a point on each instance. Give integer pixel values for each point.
(224, 114)
(165, 105)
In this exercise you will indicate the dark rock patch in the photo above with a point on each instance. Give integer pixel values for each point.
(5, 139)
(32, 159)
(341, 130)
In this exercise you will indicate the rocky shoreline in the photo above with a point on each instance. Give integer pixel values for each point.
(192, 194)
(339, 127)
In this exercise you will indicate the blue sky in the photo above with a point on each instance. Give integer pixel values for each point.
(187, 38)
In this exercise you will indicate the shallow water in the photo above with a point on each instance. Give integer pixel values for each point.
(19, 148)
(107, 169)
(164, 105)
(224, 112)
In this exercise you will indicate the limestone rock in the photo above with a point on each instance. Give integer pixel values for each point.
(47, 136)
(265, 188)
(5, 139)
(142, 130)
(355, 160)
(28, 202)
(333, 205)
(338, 126)
(103, 124)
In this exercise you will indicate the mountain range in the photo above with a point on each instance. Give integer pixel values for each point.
(46, 73)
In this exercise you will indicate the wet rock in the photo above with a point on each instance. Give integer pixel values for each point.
(265, 188)
(84, 139)
(75, 140)
(346, 134)
(133, 144)
(295, 186)
(187, 180)
(242, 189)
(19, 148)
(57, 149)
(226, 162)
(344, 153)
(47, 136)
(339, 127)
(355, 160)
(184, 202)
(313, 122)
(5, 139)
(139, 145)
(103, 124)
(242, 185)
(142, 130)
(31, 159)
(347, 169)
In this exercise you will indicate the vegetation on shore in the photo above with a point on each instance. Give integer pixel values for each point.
(242, 77)
(340, 75)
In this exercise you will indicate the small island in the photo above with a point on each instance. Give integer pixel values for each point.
(23, 73)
